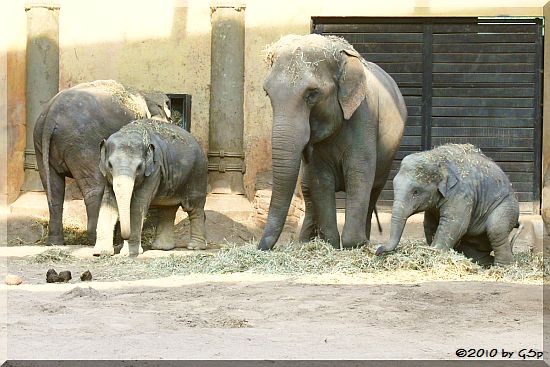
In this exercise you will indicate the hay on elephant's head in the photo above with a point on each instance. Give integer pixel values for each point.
(307, 52)
(464, 157)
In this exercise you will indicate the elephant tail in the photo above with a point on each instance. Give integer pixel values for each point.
(47, 132)
(519, 227)
(377, 219)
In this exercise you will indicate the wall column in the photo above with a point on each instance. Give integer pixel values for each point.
(42, 75)
(225, 153)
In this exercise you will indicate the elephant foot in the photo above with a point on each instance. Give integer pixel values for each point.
(92, 239)
(103, 250)
(163, 245)
(125, 250)
(196, 245)
(55, 240)
(354, 242)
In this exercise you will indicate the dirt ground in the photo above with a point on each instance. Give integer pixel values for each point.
(246, 316)
(259, 316)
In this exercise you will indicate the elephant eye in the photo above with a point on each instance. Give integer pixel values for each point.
(312, 96)
(415, 193)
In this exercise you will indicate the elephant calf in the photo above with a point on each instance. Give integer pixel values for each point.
(151, 163)
(468, 201)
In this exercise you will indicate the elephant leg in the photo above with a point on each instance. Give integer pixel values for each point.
(108, 216)
(431, 221)
(481, 257)
(92, 200)
(55, 202)
(197, 230)
(138, 210)
(499, 225)
(358, 190)
(308, 230)
(453, 223)
(372, 204)
(164, 235)
(323, 200)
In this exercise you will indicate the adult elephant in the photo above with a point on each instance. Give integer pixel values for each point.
(67, 135)
(343, 117)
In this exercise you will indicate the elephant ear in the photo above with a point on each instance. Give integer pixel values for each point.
(450, 179)
(150, 160)
(352, 83)
(102, 158)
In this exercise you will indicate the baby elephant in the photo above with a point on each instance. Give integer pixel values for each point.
(151, 163)
(468, 201)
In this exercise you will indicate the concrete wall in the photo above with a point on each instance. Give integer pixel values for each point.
(161, 45)
(165, 45)
(12, 99)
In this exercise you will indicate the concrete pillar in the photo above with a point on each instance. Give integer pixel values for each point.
(42, 75)
(225, 153)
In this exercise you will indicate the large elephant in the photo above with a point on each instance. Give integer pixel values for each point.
(343, 117)
(67, 136)
(151, 163)
(468, 201)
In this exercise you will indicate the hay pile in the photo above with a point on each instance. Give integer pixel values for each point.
(412, 262)
(318, 257)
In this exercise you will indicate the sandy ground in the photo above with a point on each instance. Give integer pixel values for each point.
(247, 316)
(250, 316)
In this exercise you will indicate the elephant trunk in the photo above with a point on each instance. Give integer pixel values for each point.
(288, 142)
(399, 218)
(123, 186)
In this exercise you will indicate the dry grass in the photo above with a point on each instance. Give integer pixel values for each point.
(318, 257)
(53, 255)
(413, 261)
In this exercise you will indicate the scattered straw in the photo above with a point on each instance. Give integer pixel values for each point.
(53, 255)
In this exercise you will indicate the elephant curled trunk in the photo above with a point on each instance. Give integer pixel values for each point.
(123, 187)
(398, 220)
(288, 144)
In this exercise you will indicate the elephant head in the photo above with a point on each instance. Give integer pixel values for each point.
(127, 158)
(422, 181)
(158, 105)
(315, 84)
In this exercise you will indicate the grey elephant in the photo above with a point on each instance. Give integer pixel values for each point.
(468, 201)
(151, 163)
(342, 118)
(67, 135)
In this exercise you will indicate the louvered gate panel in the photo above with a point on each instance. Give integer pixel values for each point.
(465, 80)
(486, 89)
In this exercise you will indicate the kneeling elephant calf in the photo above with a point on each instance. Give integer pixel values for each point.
(151, 163)
(468, 201)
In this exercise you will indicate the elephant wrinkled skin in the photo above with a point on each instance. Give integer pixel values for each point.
(151, 163)
(342, 119)
(468, 201)
(67, 136)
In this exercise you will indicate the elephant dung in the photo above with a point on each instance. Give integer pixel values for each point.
(51, 276)
(86, 276)
(64, 276)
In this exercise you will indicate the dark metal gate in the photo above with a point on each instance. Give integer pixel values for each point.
(465, 80)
